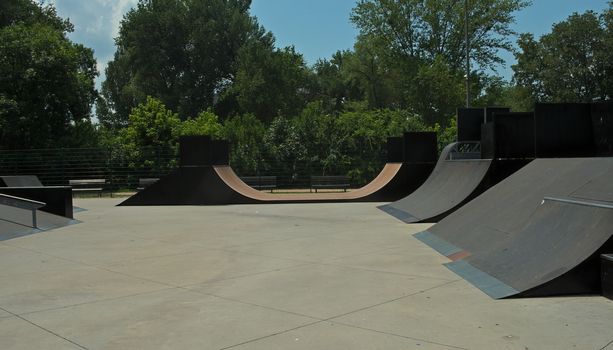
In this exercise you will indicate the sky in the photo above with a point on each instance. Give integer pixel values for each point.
(316, 28)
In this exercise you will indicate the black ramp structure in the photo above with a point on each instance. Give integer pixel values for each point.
(469, 123)
(451, 184)
(602, 124)
(205, 178)
(539, 232)
(510, 135)
(57, 199)
(563, 130)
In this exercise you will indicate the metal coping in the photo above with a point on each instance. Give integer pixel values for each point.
(398, 214)
(487, 283)
(440, 245)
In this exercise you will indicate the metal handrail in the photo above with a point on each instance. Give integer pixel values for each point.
(22, 203)
(579, 202)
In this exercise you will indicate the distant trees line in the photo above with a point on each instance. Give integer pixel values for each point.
(208, 67)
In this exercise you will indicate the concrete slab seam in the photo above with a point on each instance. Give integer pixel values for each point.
(392, 300)
(45, 329)
(399, 335)
(95, 301)
(606, 346)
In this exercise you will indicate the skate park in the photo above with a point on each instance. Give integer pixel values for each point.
(520, 240)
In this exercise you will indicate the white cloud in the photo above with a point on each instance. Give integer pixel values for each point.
(96, 25)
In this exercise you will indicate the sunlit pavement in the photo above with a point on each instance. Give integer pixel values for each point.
(304, 276)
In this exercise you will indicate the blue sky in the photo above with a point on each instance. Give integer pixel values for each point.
(317, 28)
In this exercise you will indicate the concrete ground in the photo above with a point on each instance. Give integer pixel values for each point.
(318, 276)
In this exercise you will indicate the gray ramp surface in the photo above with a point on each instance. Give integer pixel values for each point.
(16, 222)
(539, 232)
(21, 181)
(451, 184)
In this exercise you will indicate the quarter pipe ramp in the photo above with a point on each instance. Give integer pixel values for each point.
(453, 182)
(539, 232)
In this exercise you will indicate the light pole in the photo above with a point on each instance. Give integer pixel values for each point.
(467, 53)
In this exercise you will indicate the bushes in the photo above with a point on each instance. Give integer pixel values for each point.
(348, 143)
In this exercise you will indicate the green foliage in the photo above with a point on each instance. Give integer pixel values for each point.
(411, 53)
(425, 30)
(270, 82)
(446, 135)
(183, 52)
(151, 125)
(437, 92)
(314, 142)
(46, 81)
(245, 133)
(28, 12)
(573, 63)
(206, 123)
(153, 129)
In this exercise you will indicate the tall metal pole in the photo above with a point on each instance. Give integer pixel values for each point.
(467, 53)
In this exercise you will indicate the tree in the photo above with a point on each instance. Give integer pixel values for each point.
(270, 82)
(46, 81)
(245, 134)
(28, 12)
(151, 125)
(425, 30)
(416, 50)
(334, 87)
(183, 52)
(206, 123)
(570, 64)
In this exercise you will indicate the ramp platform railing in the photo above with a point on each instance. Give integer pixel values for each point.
(465, 150)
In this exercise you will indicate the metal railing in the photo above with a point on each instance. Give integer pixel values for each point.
(465, 150)
(22, 203)
(122, 169)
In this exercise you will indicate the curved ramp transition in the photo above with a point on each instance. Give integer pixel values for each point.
(539, 232)
(451, 184)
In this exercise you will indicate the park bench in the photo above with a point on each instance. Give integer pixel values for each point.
(88, 185)
(146, 182)
(327, 182)
(261, 182)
